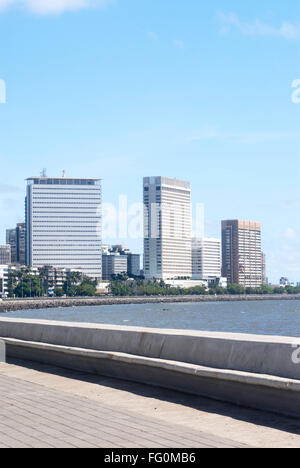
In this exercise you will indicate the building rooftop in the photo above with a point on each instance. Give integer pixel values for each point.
(62, 181)
(63, 178)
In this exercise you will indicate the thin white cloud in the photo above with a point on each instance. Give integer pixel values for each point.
(246, 138)
(179, 44)
(290, 233)
(50, 7)
(153, 36)
(5, 188)
(285, 30)
(6, 3)
(290, 204)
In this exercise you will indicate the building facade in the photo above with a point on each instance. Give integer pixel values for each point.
(63, 224)
(264, 268)
(5, 254)
(284, 282)
(11, 239)
(3, 280)
(206, 258)
(113, 264)
(167, 228)
(116, 265)
(53, 277)
(16, 238)
(241, 253)
(133, 264)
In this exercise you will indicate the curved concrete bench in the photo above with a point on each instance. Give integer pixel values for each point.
(255, 371)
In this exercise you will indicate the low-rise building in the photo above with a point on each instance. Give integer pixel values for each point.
(186, 284)
(49, 277)
(284, 282)
(3, 280)
(113, 264)
(218, 282)
(103, 288)
(53, 277)
(117, 260)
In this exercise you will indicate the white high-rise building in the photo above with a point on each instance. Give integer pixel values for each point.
(63, 224)
(167, 228)
(206, 258)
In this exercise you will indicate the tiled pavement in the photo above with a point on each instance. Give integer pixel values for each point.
(32, 415)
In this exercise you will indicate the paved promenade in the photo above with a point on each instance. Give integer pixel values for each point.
(43, 406)
(32, 416)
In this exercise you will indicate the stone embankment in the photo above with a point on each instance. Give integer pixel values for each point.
(8, 305)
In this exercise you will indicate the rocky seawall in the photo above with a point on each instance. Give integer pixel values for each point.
(27, 304)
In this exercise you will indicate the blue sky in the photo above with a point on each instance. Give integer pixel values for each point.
(190, 89)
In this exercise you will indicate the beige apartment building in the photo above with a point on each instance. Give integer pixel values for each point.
(241, 252)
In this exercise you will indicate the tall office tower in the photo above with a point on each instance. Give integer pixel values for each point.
(134, 264)
(206, 258)
(241, 252)
(263, 268)
(21, 243)
(11, 239)
(17, 240)
(5, 254)
(63, 223)
(167, 228)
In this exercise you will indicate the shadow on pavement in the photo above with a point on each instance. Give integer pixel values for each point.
(248, 415)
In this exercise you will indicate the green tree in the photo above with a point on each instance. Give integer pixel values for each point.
(235, 289)
(59, 292)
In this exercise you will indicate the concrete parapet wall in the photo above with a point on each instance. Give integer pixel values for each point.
(244, 369)
(249, 353)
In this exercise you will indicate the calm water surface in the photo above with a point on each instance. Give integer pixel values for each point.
(258, 317)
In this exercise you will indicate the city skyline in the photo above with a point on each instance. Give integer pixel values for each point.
(123, 222)
(159, 90)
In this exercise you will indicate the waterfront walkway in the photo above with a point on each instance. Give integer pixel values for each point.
(42, 406)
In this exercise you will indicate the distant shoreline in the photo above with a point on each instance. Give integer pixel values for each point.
(26, 304)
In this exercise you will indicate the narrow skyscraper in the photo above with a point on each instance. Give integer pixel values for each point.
(63, 223)
(241, 252)
(167, 228)
(264, 268)
(16, 238)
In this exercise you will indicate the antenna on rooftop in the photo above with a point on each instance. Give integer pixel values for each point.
(44, 173)
(64, 174)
